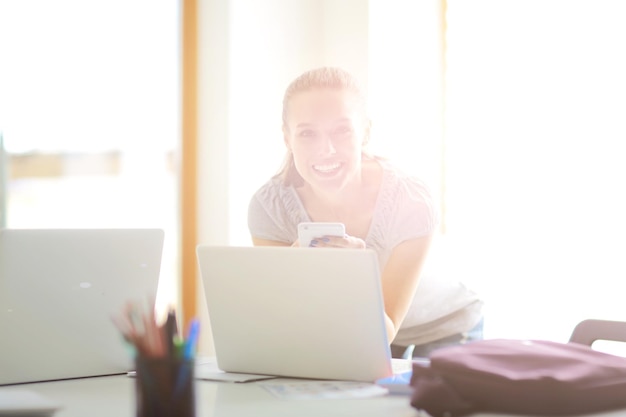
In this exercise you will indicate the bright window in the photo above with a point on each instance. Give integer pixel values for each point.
(89, 114)
(536, 98)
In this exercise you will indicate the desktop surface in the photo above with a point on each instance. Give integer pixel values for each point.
(114, 396)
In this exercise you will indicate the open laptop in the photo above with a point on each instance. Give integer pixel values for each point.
(58, 291)
(296, 312)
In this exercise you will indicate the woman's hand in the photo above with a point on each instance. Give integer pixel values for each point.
(338, 242)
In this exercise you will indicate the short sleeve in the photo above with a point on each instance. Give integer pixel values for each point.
(406, 211)
(274, 213)
(415, 214)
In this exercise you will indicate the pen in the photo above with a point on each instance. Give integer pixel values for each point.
(170, 333)
(189, 348)
(149, 339)
(192, 339)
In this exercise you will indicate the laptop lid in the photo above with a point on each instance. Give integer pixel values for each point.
(296, 312)
(58, 291)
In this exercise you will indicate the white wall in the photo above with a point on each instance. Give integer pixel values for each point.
(213, 136)
(406, 81)
(271, 41)
(214, 98)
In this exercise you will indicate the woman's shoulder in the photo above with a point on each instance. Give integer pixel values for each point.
(274, 196)
(401, 184)
(406, 207)
(276, 199)
(270, 189)
(274, 211)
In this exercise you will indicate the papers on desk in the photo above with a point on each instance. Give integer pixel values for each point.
(25, 403)
(221, 376)
(398, 384)
(311, 390)
(207, 370)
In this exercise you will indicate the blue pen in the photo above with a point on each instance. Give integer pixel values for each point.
(192, 339)
(190, 344)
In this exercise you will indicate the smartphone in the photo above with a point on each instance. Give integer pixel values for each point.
(311, 230)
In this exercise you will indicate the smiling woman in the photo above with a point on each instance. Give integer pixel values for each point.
(329, 176)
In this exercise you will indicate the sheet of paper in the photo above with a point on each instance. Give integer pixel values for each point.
(207, 370)
(401, 365)
(217, 375)
(305, 390)
(398, 384)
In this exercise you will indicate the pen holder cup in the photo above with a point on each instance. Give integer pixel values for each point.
(165, 387)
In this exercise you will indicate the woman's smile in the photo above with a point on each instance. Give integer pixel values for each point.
(327, 168)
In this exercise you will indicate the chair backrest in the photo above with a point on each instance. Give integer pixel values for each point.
(588, 331)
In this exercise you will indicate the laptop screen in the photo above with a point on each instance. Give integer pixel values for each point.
(301, 312)
(58, 291)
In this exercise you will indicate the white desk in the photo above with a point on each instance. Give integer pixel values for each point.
(114, 396)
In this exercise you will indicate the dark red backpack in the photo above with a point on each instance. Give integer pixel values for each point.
(519, 376)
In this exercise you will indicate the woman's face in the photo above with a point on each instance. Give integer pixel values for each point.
(325, 130)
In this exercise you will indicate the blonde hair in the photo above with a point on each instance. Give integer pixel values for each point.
(334, 78)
